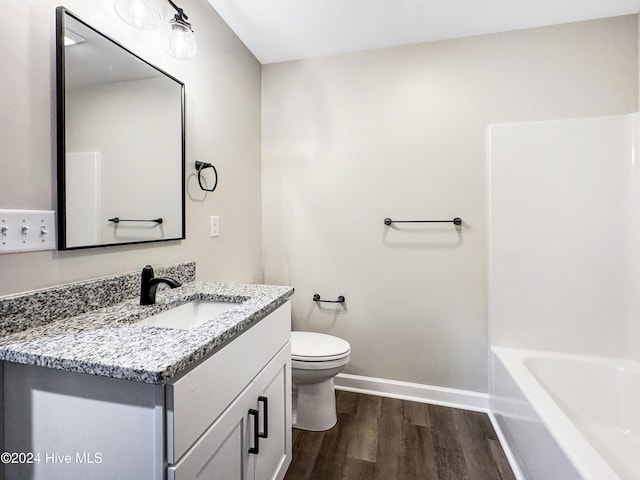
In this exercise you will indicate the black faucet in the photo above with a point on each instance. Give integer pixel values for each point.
(149, 285)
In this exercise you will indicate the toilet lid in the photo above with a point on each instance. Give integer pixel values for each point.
(317, 347)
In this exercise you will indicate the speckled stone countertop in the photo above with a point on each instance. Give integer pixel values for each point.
(108, 342)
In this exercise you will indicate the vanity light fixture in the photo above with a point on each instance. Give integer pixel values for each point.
(142, 14)
(145, 15)
(182, 43)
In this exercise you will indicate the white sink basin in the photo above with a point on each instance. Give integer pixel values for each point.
(189, 315)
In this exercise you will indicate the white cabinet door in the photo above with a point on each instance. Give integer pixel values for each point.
(222, 452)
(272, 398)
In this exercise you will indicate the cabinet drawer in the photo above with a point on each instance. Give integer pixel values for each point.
(198, 398)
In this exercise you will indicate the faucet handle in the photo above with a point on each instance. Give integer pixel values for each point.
(148, 268)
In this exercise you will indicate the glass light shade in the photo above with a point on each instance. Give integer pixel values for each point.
(142, 14)
(182, 42)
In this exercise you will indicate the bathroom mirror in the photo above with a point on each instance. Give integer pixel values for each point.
(120, 136)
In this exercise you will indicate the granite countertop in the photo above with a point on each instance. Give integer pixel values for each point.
(108, 342)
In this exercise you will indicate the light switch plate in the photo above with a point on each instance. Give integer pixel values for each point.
(215, 226)
(27, 230)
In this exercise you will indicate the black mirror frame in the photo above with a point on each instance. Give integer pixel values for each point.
(61, 134)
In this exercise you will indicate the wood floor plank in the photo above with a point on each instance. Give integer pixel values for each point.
(387, 439)
(475, 447)
(357, 470)
(506, 473)
(306, 448)
(485, 424)
(417, 414)
(294, 435)
(489, 450)
(420, 458)
(346, 402)
(449, 455)
(363, 436)
(391, 461)
(330, 461)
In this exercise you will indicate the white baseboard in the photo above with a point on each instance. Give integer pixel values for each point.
(415, 392)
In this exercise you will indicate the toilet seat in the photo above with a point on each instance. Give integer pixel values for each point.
(318, 347)
(324, 366)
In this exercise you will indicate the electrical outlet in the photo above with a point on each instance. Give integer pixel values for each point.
(27, 230)
(215, 226)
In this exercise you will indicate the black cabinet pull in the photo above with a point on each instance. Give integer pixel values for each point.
(265, 401)
(256, 440)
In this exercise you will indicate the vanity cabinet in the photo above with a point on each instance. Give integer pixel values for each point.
(200, 425)
(251, 440)
(232, 414)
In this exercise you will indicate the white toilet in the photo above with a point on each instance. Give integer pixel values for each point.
(316, 359)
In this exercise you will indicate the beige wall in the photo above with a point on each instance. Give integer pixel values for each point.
(349, 140)
(223, 127)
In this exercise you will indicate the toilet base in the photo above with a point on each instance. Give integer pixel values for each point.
(314, 406)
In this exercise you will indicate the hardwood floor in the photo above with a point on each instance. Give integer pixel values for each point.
(380, 438)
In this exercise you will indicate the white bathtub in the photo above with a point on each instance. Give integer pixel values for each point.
(568, 416)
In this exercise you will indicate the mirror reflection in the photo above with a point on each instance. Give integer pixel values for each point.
(121, 148)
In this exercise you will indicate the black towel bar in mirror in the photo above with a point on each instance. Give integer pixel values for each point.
(118, 220)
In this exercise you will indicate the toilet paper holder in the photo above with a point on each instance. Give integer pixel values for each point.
(316, 298)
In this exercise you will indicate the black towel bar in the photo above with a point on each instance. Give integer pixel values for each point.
(455, 221)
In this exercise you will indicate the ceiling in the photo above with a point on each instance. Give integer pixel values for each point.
(281, 30)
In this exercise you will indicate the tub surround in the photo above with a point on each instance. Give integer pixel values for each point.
(551, 292)
(106, 341)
